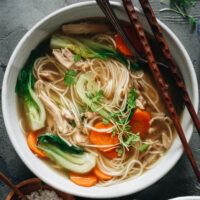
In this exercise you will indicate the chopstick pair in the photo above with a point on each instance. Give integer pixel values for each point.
(107, 10)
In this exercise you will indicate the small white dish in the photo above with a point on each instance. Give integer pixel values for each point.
(187, 198)
(32, 38)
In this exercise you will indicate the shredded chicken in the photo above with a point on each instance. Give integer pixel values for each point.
(47, 76)
(152, 130)
(166, 141)
(90, 115)
(140, 102)
(85, 28)
(80, 139)
(66, 114)
(53, 110)
(64, 57)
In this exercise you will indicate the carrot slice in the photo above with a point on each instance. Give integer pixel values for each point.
(100, 175)
(111, 154)
(121, 46)
(103, 138)
(140, 121)
(32, 140)
(85, 180)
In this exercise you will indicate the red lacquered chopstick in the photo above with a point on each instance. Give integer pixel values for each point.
(106, 8)
(169, 58)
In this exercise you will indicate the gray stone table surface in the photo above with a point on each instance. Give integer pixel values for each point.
(18, 16)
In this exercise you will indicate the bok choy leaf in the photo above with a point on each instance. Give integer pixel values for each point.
(86, 48)
(25, 89)
(61, 144)
(69, 157)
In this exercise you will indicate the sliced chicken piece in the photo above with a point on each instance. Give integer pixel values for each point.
(166, 141)
(53, 110)
(64, 57)
(85, 28)
(90, 115)
(152, 130)
(140, 102)
(47, 76)
(80, 139)
(67, 115)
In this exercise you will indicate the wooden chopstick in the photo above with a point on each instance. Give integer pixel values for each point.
(11, 185)
(107, 9)
(170, 60)
(159, 80)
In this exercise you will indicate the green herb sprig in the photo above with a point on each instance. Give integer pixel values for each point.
(77, 58)
(97, 97)
(70, 77)
(180, 7)
(122, 127)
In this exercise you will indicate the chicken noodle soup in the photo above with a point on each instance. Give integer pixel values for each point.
(90, 107)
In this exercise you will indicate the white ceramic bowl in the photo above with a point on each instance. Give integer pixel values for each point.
(40, 31)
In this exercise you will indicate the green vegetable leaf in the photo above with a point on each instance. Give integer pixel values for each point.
(113, 114)
(86, 48)
(77, 58)
(131, 99)
(89, 94)
(25, 89)
(42, 184)
(73, 124)
(184, 3)
(70, 77)
(110, 54)
(193, 21)
(24, 75)
(120, 151)
(105, 121)
(143, 147)
(131, 140)
(72, 162)
(135, 66)
(193, 2)
(114, 132)
(49, 138)
(98, 97)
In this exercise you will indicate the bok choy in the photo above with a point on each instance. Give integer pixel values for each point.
(86, 95)
(69, 157)
(25, 89)
(86, 48)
